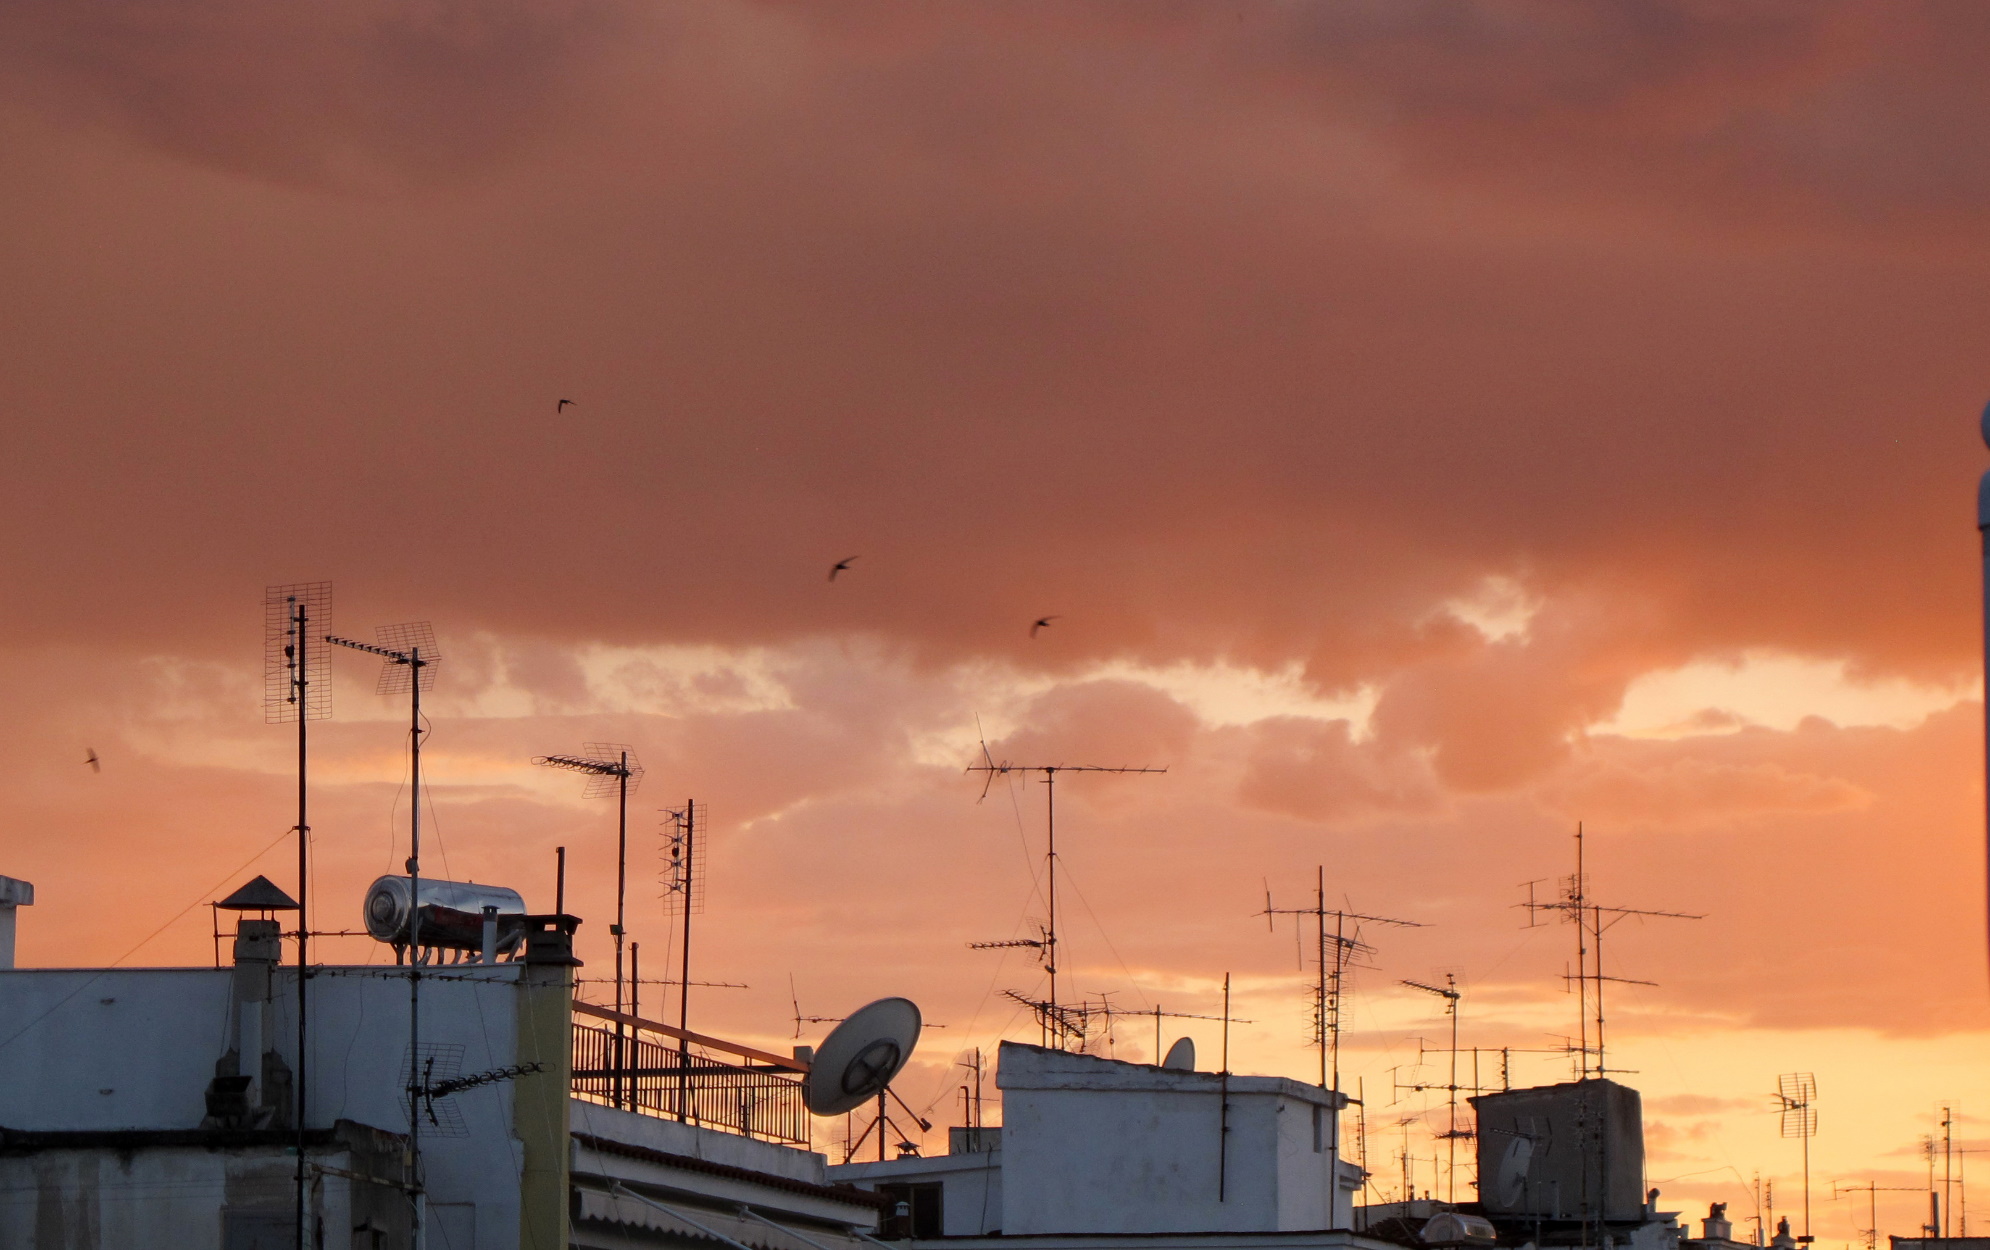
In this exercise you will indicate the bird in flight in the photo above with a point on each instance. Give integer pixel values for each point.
(841, 566)
(562, 406)
(1042, 622)
(91, 760)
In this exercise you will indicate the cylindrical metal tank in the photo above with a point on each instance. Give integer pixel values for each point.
(452, 913)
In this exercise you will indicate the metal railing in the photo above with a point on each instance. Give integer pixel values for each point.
(620, 1066)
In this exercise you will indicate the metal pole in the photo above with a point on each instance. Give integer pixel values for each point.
(1223, 1115)
(635, 1009)
(1320, 990)
(1581, 962)
(560, 882)
(1451, 1138)
(684, 966)
(414, 943)
(621, 890)
(300, 619)
(1983, 529)
(1050, 860)
(1596, 914)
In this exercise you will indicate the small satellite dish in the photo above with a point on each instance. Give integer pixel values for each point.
(1181, 1056)
(861, 1055)
(1514, 1161)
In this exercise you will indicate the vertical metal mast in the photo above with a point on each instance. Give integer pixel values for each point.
(1329, 985)
(411, 656)
(295, 688)
(611, 768)
(680, 890)
(1983, 529)
(1449, 993)
(684, 966)
(993, 770)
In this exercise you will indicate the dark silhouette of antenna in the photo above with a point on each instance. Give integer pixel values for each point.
(410, 656)
(1589, 919)
(1334, 953)
(681, 885)
(1450, 994)
(794, 996)
(610, 768)
(1872, 1191)
(993, 770)
(1796, 1098)
(296, 688)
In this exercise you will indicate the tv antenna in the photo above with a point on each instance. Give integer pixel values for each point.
(297, 688)
(682, 885)
(410, 656)
(610, 768)
(1335, 953)
(1591, 920)
(1871, 1190)
(992, 770)
(1796, 1098)
(794, 997)
(1450, 993)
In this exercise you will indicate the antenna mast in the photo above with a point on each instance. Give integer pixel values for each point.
(993, 770)
(1334, 953)
(681, 885)
(1589, 919)
(611, 768)
(1796, 1096)
(297, 687)
(1449, 993)
(411, 656)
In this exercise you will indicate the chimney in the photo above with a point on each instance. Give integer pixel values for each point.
(13, 893)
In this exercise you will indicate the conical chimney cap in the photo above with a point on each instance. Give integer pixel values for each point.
(261, 894)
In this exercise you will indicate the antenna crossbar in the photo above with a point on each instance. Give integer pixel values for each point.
(992, 770)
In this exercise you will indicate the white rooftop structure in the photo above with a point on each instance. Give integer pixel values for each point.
(1095, 1150)
(130, 1120)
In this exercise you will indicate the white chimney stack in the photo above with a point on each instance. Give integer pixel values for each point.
(13, 894)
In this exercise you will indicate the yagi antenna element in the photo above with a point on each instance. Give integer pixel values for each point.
(606, 764)
(410, 652)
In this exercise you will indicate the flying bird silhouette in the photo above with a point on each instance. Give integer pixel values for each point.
(1042, 622)
(95, 767)
(841, 566)
(562, 406)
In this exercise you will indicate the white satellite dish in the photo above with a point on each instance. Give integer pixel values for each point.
(1181, 1056)
(861, 1055)
(1511, 1182)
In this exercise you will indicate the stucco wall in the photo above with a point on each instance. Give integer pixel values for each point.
(1095, 1146)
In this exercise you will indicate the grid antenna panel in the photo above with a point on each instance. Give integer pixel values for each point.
(292, 692)
(407, 638)
(683, 851)
(606, 785)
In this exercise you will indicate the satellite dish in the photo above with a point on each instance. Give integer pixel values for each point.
(1181, 1056)
(861, 1055)
(1511, 1182)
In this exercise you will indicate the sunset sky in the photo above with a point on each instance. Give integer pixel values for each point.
(1430, 424)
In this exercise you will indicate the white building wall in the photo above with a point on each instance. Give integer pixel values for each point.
(135, 1048)
(1096, 1146)
(971, 1186)
(118, 1049)
(152, 1199)
(359, 1031)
